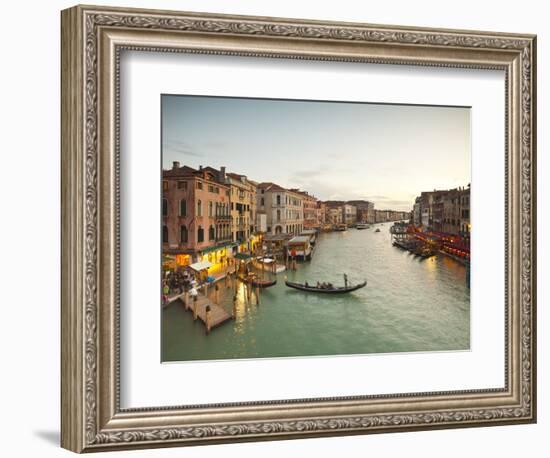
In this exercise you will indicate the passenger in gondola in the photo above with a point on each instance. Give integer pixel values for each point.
(307, 286)
(318, 285)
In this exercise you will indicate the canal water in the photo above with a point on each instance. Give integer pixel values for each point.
(408, 305)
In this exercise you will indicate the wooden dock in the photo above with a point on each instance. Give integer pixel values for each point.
(218, 315)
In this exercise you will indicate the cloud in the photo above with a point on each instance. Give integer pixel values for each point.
(181, 147)
(375, 197)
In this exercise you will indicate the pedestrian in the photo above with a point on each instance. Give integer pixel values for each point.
(165, 292)
(346, 280)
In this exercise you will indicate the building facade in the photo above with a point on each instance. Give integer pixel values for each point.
(349, 214)
(365, 211)
(243, 207)
(451, 212)
(444, 211)
(321, 213)
(309, 204)
(195, 213)
(283, 208)
(465, 226)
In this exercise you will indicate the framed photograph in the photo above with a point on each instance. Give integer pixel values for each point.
(277, 228)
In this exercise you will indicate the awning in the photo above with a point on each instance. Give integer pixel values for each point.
(242, 256)
(210, 249)
(299, 239)
(198, 266)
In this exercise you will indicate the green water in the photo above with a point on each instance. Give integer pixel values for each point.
(408, 305)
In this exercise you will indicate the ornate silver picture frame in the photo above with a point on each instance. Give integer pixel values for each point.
(93, 39)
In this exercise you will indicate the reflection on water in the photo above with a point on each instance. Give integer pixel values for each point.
(409, 304)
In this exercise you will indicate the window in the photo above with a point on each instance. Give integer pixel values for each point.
(199, 184)
(164, 207)
(262, 202)
(210, 188)
(165, 186)
(210, 208)
(183, 234)
(200, 235)
(183, 207)
(164, 234)
(278, 199)
(278, 215)
(199, 208)
(211, 233)
(182, 184)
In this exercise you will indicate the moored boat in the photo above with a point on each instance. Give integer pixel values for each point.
(268, 264)
(256, 282)
(327, 290)
(362, 226)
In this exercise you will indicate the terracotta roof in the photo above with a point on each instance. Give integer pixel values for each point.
(271, 187)
(184, 171)
(303, 193)
(334, 203)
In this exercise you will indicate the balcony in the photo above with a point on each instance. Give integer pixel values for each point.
(226, 217)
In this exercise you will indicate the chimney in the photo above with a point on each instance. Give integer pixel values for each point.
(175, 165)
(222, 173)
(200, 167)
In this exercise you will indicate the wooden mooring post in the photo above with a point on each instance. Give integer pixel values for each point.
(208, 320)
(195, 308)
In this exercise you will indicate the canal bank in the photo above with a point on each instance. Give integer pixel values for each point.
(408, 305)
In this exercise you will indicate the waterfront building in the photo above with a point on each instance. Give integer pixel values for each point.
(349, 214)
(437, 210)
(365, 211)
(451, 212)
(384, 216)
(196, 219)
(445, 211)
(243, 209)
(283, 208)
(321, 213)
(465, 227)
(417, 212)
(380, 216)
(295, 212)
(309, 204)
(335, 215)
(334, 212)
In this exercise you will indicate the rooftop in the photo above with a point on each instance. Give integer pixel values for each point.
(268, 186)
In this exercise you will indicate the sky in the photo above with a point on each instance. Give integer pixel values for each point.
(387, 154)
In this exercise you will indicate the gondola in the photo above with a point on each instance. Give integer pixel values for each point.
(256, 282)
(333, 290)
